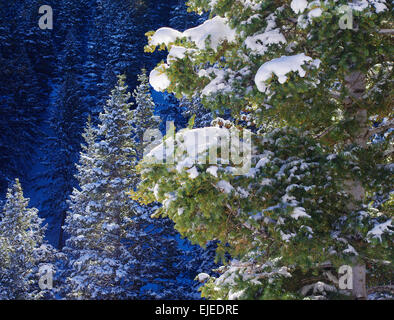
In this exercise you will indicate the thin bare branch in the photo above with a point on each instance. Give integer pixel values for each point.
(386, 31)
(382, 128)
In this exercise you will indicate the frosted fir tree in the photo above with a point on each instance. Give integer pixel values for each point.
(23, 249)
(143, 117)
(100, 261)
(115, 248)
(319, 191)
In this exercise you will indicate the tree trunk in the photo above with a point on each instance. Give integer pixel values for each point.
(359, 282)
(359, 291)
(356, 84)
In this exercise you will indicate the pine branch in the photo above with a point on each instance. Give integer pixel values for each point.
(386, 126)
(325, 132)
(381, 289)
(386, 31)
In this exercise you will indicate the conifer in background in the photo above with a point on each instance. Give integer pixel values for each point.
(101, 264)
(143, 117)
(22, 248)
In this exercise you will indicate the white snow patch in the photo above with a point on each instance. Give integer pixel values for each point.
(379, 6)
(216, 29)
(213, 171)
(379, 229)
(216, 84)
(280, 67)
(235, 295)
(225, 186)
(250, 4)
(287, 237)
(315, 13)
(262, 162)
(159, 80)
(350, 249)
(299, 6)
(193, 173)
(259, 43)
(361, 5)
(177, 52)
(165, 36)
(202, 277)
(299, 212)
(195, 146)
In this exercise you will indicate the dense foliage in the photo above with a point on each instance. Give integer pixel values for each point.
(319, 193)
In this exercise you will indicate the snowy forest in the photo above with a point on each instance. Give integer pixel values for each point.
(201, 149)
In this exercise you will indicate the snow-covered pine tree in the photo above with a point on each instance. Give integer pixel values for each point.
(115, 249)
(143, 117)
(101, 264)
(23, 249)
(319, 193)
(78, 204)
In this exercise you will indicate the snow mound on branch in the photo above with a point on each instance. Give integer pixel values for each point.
(379, 229)
(193, 173)
(225, 186)
(177, 52)
(379, 6)
(159, 80)
(259, 43)
(213, 31)
(299, 6)
(236, 295)
(280, 67)
(200, 146)
(299, 212)
(202, 277)
(213, 171)
(165, 36)
(287, 237)
(194, 142)
(315, 13)
(216, 84)
(216, 29)
(361, 5)
(350, 250)
(252, 4)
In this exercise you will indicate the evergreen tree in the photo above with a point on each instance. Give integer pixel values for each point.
(23, 249)
(100, 262)
(143, 117)
(319, 94)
